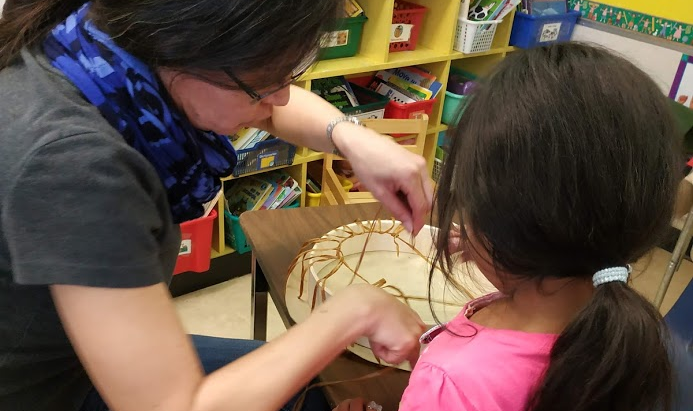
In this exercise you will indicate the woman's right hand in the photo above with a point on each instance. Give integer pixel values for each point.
(392, 328)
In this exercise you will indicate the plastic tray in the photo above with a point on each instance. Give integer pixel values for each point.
(344, 40)
(451, 107)
(408, 110)
(372, 104)
(233, 233)
(196, 244)
(407, 19)
(475, 36)
(531, 31)
(263, 155)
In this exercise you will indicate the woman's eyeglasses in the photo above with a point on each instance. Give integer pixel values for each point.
(254, 94)
(297, 73)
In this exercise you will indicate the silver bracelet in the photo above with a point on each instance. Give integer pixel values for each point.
(330, 128)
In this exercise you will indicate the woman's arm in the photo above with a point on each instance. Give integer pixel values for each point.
(395, 176)
(139, 358)
(303, 121)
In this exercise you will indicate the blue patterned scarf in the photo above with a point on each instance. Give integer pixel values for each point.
(129, 95)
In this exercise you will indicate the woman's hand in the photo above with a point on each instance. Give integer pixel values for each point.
(395, 176)
(392, 328)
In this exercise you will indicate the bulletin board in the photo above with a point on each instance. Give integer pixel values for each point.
(681, 10)
(682, 88)
(667, 19)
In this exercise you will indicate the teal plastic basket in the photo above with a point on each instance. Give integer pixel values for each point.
(233, 233)
(451, 106)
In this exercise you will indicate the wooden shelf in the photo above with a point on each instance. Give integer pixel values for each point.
(456, 55)
(422, 55)
(298, 159)
(228, 250)
(437, 129)
(340, 67)
(361, 64)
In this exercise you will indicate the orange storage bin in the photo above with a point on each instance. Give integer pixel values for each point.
(196, 244)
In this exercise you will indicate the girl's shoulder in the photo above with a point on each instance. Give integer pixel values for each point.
(485, 368)
(467, 340)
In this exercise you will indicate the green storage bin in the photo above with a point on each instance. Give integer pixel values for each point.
(344, 40)
(372, 105)
(452, 103)
(233, 233)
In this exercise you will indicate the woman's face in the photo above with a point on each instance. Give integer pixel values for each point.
(212, 107)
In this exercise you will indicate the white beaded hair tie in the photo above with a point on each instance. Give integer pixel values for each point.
(609, 275)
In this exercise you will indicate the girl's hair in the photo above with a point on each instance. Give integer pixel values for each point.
(265, 37)
(562, 164)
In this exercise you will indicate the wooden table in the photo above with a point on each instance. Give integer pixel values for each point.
(276, 237)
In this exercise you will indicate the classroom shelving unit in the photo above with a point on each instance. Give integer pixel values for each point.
(434, 52)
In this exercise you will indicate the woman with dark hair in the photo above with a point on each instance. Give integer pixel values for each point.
(114, 115)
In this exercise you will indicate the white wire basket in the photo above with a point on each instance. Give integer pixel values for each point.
(437, 168)
(474, 36)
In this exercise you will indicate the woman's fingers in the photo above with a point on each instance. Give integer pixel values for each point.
(418, 191)
(420, 195)
(399, 208)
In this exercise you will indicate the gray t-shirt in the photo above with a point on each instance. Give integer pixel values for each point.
(78, 206)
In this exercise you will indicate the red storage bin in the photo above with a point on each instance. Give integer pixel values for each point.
(405, 14)
(196, 244)
(394, 109)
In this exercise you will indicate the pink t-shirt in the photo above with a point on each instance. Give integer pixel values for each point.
(482, 369)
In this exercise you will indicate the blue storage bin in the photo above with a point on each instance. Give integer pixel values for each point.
(263, 155)
(531, 31)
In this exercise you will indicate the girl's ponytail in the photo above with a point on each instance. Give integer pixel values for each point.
(603, 358)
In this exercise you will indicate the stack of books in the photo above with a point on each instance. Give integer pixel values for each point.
(336, 90)
(268, 191)
(406, 84)
(248, 137)
(485, 10)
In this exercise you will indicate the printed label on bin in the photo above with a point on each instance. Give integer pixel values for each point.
(400, 32)
(185, 247)
(416, 114)
(549, 32)
(266, 160)
(375, 114)
(334, 39)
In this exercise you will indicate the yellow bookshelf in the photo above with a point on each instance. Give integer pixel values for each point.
(434, 52)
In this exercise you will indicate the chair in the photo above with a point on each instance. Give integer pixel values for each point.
(685, 224)
(332, 190)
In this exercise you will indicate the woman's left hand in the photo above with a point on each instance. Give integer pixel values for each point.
(397, 177)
